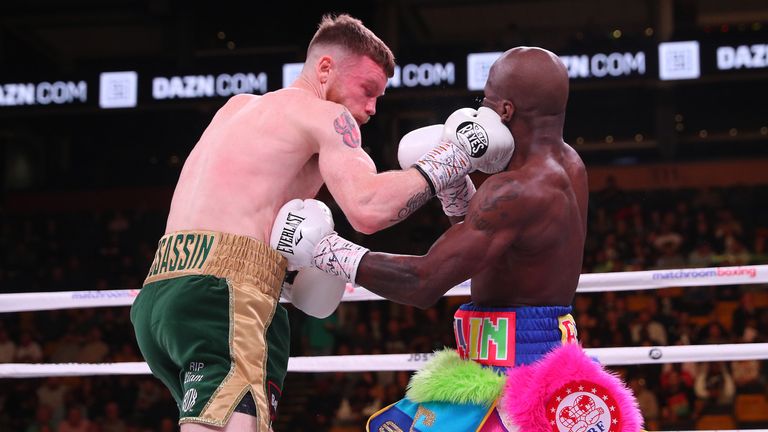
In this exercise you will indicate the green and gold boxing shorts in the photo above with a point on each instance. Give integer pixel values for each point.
(209, 325)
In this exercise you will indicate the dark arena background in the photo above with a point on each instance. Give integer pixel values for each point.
(101, 102)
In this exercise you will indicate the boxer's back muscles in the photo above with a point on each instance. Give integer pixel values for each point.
(250, 160)
(542, 262)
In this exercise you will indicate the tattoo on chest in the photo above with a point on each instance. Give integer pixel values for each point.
(413, 204)
(346, 127)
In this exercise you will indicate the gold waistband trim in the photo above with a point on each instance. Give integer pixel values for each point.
(237, 258)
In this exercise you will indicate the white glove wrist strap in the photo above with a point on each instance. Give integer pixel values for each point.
(455, 198)
(444, 165)
(338, 256)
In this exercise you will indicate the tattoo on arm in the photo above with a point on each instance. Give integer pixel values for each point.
(492, 203)
(413, 204)
(491, 210)
(482, 224)
(345, 126)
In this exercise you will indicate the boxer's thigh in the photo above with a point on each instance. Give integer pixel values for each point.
(191, 321)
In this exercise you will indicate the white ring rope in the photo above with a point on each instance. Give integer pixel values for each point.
(588, 283)
(621, 356)
(597, 282)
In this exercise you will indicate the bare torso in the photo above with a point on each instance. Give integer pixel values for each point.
(521, 243)
(542, 263)
(257, 153)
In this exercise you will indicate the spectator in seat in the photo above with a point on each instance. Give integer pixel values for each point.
(28, 350)
(646, 399)
(747, 376)
(677, 400)
(645, 326)
(43, 419)
(7, 347)
(735, 253)
(714, 388)
(702, 255)
(94, 350)
(75, 421)
(112, 421)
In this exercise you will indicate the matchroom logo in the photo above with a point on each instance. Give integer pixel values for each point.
(118, 89)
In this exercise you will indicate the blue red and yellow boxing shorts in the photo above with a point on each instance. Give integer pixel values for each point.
(514, 369)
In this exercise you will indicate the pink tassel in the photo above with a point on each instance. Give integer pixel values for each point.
(566, 391)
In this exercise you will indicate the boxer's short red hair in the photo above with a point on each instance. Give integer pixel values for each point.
(350, 33)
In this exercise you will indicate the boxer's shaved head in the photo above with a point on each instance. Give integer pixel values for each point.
(533, 79)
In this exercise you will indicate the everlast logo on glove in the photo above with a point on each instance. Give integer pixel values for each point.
(287, 242)
(473, 135)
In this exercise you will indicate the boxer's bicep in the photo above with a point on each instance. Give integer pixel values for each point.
(340, 149)
(488, 230)
(458, 254)
(467, 248)
(343, 164)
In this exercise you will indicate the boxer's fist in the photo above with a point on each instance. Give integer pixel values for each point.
(471, 140)
(483, 136)
(416, 143)
(298, 227)
(315, 292)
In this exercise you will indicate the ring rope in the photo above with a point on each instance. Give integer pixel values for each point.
(620, 356)
(588, 283)
(597, 282)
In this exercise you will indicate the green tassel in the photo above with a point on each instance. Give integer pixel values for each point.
(448, 378)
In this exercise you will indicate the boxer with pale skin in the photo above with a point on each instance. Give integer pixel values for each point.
(285, 145)
(213, 266)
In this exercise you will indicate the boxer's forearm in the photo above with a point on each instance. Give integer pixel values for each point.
(399, 278)
(377, 201)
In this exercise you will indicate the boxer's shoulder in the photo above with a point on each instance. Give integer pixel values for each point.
(511, 200)
(508, 187)
(301, 101)
(242, 99)
(317, 112)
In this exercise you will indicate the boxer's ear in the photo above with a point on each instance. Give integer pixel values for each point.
(507, 111)
(323, 68)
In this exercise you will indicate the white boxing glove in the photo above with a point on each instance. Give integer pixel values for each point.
(481, 133)
(417, 143)
(472, 140)
(315, 292)
(298, 227)
(413, 145)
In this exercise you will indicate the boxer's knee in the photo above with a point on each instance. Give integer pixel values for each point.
(238, 422)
